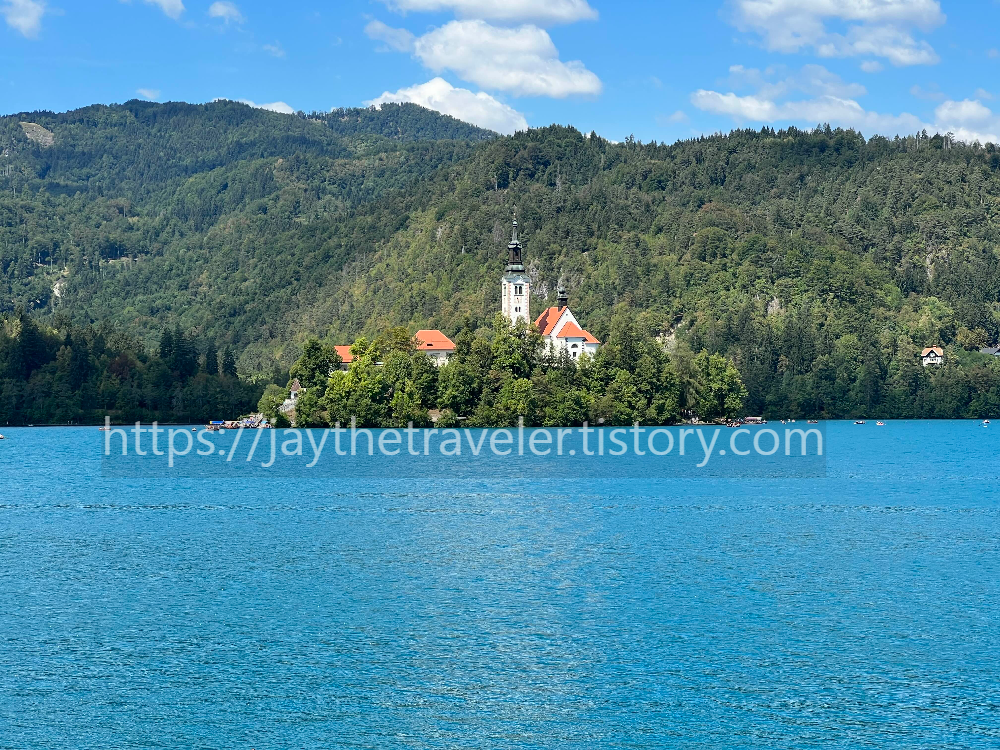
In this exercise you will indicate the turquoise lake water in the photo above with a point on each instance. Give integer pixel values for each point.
(856, 610)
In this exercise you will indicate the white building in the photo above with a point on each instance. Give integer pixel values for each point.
(433, 343)
(932, 355)
(563, 332)
(436, 345)
(288, 405)
(561, 329)
(515, 287)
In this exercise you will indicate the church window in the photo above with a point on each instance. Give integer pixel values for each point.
(518, 289)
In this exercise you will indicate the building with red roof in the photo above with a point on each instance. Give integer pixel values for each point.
(563, 332)
(435, 344)
(344, 352)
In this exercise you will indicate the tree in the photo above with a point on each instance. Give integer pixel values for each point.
(270, 402)
(167, 346)
(317, 363)
(309, 409)
(211, 358)
(227, 363)
(458, 387)
(720, 390)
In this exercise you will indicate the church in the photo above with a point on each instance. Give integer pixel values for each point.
(559, 327)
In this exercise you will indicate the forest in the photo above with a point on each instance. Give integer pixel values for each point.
(68, 374)
(816, 263)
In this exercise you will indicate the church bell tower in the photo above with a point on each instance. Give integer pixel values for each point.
(515, 288)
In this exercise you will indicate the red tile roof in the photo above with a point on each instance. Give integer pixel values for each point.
(572, 331)
(547, 320)
(433, 341)
(345, 354)
(936, 349)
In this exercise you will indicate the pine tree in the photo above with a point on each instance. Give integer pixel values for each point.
(227, 363)
(167, 347)
(211, 358)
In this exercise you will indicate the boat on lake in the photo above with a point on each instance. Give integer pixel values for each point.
(252, 422)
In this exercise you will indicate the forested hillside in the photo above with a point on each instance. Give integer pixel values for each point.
(818, 262)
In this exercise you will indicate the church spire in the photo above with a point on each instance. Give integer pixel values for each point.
(515, 287)
(514, 261)
(562, 299)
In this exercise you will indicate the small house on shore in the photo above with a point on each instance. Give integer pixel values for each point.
(294, 391)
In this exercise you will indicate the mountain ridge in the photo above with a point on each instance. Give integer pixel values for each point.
(789, 251)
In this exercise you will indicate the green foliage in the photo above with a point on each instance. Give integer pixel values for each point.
(502, 375)
(818, 263)
(271, 400)
(386, 385)
(721, 392)
(78, 375)
(404, 122)
(315, 365)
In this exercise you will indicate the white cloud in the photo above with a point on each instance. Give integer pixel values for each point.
(227, 11)
(511, 11)
(24, 15)
(399, 40)
(522, 61)
(275, 50)
(777, 81)
(151, 94)
(279, 107)
(834, 110)
(477, 108)
(772, 99)
(967, 112)
(993, 53)
(872, 66)
(969, 120)
(877, 28)
(172, 8)
(983, 94)
(898, 47)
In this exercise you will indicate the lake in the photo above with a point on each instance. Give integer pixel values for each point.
(852, 610)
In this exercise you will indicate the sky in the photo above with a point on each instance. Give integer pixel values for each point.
(658, 71)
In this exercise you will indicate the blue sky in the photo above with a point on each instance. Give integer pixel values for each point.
(656, 70)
